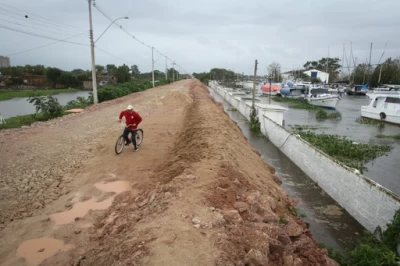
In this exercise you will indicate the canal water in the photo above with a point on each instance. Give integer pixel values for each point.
(329, 223)
(384, 169)
(20, 106)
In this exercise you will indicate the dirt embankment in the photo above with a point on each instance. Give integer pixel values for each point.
(213, 202)
(197, 193)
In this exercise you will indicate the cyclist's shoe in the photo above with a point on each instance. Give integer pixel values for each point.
(127, 143)
(136, 149)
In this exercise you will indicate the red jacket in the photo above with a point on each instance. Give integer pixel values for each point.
(131, 118)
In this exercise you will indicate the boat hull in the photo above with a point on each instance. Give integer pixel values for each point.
(356, 93)
(329, 103)
(393, 118)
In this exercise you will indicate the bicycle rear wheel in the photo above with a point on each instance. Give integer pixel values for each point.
(119, 145)
(139, 137)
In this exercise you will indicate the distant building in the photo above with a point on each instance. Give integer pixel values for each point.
(4, 61)
(312, 73)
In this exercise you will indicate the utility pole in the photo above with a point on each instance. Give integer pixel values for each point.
(270, 89)
(254, 81)
(152, 64)
(173, 71)
(166, 69)
(94, 78)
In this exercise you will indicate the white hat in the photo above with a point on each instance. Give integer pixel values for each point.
(130, 107)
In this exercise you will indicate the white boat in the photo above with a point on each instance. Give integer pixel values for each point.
(321, 97)
(384, 105)
(337, 90)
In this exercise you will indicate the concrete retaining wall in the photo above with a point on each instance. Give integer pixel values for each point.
(369, 203)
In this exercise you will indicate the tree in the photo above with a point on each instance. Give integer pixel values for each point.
(170, 73)
(135, 70)
(99, 69)
(390, 73)
(68, 79)
(330, 65)
(38, 70)
(110, 68)
(274, 70)
(53, 74)
(360, 74)
(222, 74)
(122, 74)
(203, 77)
(81, 75)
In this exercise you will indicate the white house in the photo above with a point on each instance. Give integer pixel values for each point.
(314, 73)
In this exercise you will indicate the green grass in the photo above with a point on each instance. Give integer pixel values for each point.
(296, 103)
(7, 95)
(306, 127)
(344, 150)
(322, 115)
(23, 120)
(369, 251)
(373, 122)
(381, 136)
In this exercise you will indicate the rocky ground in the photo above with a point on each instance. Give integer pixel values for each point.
(200, 194)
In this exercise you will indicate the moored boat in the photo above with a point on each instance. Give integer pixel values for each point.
(384, 106)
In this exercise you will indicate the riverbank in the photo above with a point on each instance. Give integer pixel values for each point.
(11, 94)
(192, 195)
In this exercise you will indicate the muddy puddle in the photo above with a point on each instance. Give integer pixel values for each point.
(35, 251)
(80, 209)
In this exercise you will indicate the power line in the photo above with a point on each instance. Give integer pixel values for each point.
(39, 47)
(46, 20)
(119, 58)
(36, 23)
(38, 35)
(104, 13)
(19, 24)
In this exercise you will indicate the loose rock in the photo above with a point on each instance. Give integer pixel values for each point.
(255, 258)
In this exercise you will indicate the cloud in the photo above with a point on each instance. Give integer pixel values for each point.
(200, 35)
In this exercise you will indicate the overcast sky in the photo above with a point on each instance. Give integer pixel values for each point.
(200, 35)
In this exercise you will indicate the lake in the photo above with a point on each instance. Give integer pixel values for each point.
(20, 106)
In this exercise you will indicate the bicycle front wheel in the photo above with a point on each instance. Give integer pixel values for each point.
(119, 145)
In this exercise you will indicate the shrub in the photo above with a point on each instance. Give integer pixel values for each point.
(48, 105)
(80, 102)
(254, 122)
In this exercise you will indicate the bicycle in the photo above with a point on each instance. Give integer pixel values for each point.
(120, 144)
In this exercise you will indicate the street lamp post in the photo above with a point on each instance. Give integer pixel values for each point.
(94, 78)
(110, 26)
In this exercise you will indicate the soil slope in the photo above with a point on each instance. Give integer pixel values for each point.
(200, 194)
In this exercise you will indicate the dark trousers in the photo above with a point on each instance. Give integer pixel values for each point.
(126, 136)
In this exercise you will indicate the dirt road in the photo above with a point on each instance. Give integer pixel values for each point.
(195, 192)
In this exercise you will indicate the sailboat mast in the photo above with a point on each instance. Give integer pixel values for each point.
(341, 71)
(369, 66)
(327, 66)
(380, 71)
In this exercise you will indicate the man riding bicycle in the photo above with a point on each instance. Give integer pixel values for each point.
(132, 120)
